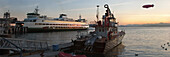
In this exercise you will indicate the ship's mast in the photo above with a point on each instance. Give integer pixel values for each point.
(7, 14)
(79, 16)
(97, 15)
(36, 10)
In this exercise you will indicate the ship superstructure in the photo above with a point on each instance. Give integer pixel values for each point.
(35, 22)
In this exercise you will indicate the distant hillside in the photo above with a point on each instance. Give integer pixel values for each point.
(147, 25)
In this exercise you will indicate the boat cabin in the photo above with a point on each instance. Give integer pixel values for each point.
(108, 26)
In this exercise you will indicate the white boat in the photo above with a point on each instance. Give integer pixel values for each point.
(35, 22)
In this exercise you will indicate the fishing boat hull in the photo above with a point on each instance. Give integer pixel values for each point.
(62, 54)
(99, 47)
(108, 45)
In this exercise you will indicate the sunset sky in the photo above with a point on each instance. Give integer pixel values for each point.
(126, 11)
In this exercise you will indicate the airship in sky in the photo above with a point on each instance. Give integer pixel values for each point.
(148, 6)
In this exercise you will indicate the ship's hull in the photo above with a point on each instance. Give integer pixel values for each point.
(54, 26)
(112, 43)
(98, 47)
(51, 30)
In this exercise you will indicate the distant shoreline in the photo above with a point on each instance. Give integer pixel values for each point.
(147, 25)
(144, 26)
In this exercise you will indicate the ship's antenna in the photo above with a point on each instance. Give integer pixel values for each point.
(97, 15)
(36, 10)
(80, 16)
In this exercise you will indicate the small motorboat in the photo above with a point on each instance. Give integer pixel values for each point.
(62, 54)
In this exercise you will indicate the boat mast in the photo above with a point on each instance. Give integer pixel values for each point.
(36, 10)
(97, 15)
(79, 16)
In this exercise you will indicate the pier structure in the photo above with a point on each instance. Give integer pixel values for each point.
(5, 23)
(9, 43)
(21, 45)
(8, 25)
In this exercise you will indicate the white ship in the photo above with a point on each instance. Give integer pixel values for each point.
(35, 22)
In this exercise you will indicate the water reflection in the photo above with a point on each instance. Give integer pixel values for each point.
(60, 37)
(52, 38)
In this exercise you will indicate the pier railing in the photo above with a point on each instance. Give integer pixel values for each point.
(12, 43)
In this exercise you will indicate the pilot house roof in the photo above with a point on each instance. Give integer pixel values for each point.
(32, 14)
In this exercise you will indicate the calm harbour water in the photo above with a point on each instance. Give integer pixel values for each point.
(144, 41)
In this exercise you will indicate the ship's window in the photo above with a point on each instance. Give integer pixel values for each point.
(112, 20)
(47, 24)
(42, 20)
(40, 23)
(99, 30)
(34, 20)
(36, 23)
(26, 20)
(43, 24)
(103, 30)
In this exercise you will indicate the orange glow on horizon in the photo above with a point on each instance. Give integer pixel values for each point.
(142, 23)
(143, 19)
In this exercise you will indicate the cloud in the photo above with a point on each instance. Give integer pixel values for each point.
(119, 4)
(91, 8)
(80, 9)
(65, 1)
(157, 15)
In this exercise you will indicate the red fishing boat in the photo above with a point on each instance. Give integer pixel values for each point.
(105, 37)
(62, 54)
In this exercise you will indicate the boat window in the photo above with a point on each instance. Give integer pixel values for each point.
(99, 30)
(30, 20)
(40, 23)
(34, 20)
(36, 23)
(43, 24)
(103, 30)
(26, 20)
(112, 20)
(47, 24)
